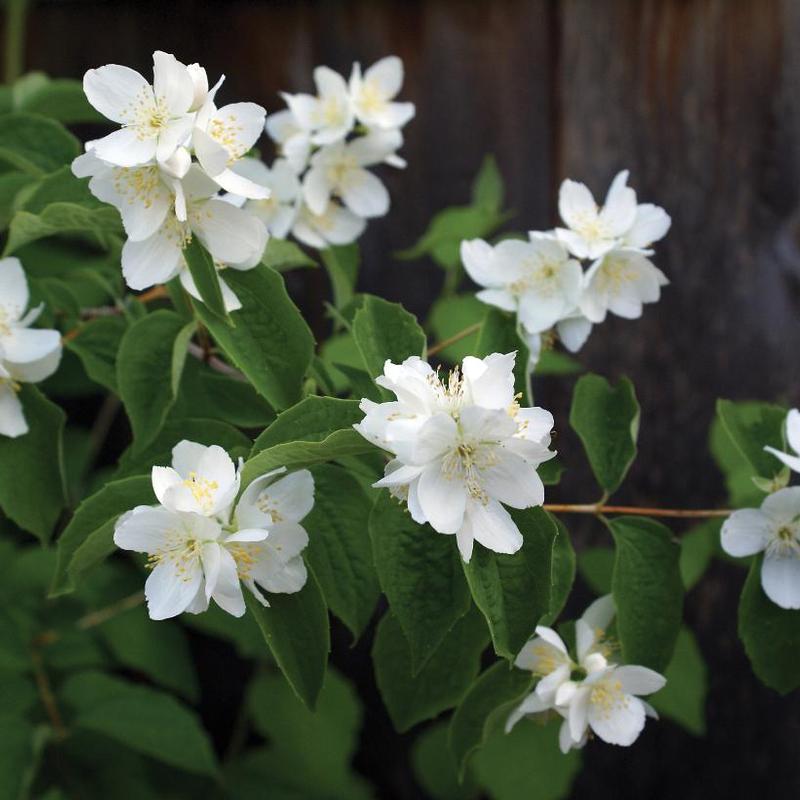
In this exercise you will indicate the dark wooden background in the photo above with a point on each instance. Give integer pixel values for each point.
(699, 99)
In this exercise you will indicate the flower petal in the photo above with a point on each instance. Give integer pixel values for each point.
(746, 532)
(780, 578)
(493, 527)
(12, 418)
(113, 90)
(14, 295)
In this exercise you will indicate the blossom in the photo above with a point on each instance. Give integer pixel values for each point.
(278, 211)
(155, 119)
(621, 282)
(463, 448)
(590, 693)
(27, 355)
(536, 279)
(793, 437)
(338, 169)
(328, 117)
(774, 529)
(294, 141)
(373, 92)
(335, 225)
(201, 547)
(593, 231)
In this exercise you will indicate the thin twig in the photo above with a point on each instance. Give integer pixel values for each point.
(215, 363)
(46, 694)
(456, 337)
(598, 509)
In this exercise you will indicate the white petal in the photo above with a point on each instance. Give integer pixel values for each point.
(619, 723)
(186, 457)
(169, 592)
(276, 575)
(573, 332)
(639, 680)
(386, 75)
(493, 527)
(783, 506)
(114, 89)
(32, 354)
(173, 136)
(532, 704)
(14, 296)
(172, 82)
(549, 686)
(576, 204)
(476, 256)
(513, 481)
(780, 578)
(650, 225)
(231, 235)
(578, 713)
(364, 194)
(599, 614)
(12, 417)
(490, 380)
(151, 261)
(500, 298)
(619, 210)
(317, 189)
(125, 148)
(793, 462)
(792, 422)
(442, 499)
(746, 532)
(238, 126)
(227, 592)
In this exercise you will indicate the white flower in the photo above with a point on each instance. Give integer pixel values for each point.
(294, 141)
(203, 480)
(200, 548)
(27, 355)
(372, 94)
(328, 117)
(793, 437)
(775, 530)
(221, 137)
(620, 282)
(232, 236)
(336, 225)
(463, 449)
(338, 169)
(536, 279)
(650, 224)
(607, 702)
(155, 120)
(278, 211)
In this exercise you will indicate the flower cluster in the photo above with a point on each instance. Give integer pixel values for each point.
(589, 692)
(321, 188)
(543, 282)
(202, 545)
(165, 166)
(27, 355)
(462, 448)
(773, 529)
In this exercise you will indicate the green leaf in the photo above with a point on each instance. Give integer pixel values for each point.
(648, 590)
(97, 343)
(770, 634)
(385, 330)
(270, 343)
(295, 626)
(527, 763)
(315, 748)
(451, 315)
(88, 538)
(419, 572)
(99, 225)
(498, 334)
(62, 99)
(697, 548)
(35, 144)
(11, 186)
(282, 255)
(17, 757)
(562, 574)
(32, 487)
(553, 362)
(683, 699)
(434, 768)
(339, 549)
(411, 698)
(146, 720)
(204, 272)
(751, 427)
(596, 566)
(159, 650)
(486, 704)
(149, 366)
(487, 188)
(514, 591)
(60, 186)
(342, 264)
(606, 419)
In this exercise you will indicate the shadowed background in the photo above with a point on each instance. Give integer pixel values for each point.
(700, 100)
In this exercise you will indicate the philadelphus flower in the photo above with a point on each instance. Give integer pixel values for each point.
(329, 139)
(463, 447)
(146, 170)
(793, 437)
(542, 281)
(774, 529)
(590, 693)
(202, 546)
(27, 355)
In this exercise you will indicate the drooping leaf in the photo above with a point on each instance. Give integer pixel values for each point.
(271, 342)
(596, 567)
(35, 144)
(339, 549)
(441, 683)
(683, 699)
(562, 573)
(697, 548)
(97, 344)
(32, 486)
(341, 263)
(384, 330)
(487, 188)
(770, 634)
(146, 720)
(606, 419)
(419, 572)
(648, 590)
(514, 591)
(486, 704)
(88, 538)
(204, 273)
(295, 627)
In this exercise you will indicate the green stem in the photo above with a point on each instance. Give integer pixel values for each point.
(16, 19)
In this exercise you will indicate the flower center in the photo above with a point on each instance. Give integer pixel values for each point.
(607, 696)
(202, 490)
(182, 551)
(466, 463)
(139, 184)
(265, 506)
(331, 113)
(245, 555)
(5, 322)
(614, 273)
(227, 132)
(339, 170)
(370, 98)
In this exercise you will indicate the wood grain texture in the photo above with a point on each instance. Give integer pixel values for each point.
(700, 99)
